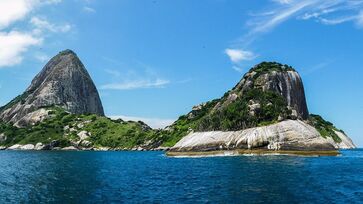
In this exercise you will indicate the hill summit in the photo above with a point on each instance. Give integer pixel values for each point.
(63, 82)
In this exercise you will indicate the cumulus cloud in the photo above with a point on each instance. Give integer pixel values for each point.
(14, 10)
(239, 55)
(13, 45)
(152, 122)
(15, 41)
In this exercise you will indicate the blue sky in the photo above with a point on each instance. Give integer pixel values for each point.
(155, 59)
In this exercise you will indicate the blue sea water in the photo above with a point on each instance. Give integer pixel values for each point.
(151, 177)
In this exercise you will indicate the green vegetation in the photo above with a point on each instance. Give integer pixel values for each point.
(104, 131)
(235, 116)
(265, 67)
(325, 128)
(186, 123)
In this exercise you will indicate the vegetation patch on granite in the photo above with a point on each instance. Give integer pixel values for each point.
(235, 116)
(325, 128)
(64, 127)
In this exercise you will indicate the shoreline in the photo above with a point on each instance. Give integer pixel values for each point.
(31, 147)
(256, 152)
(214, 153)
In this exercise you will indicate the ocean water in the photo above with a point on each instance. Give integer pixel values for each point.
(151, 177)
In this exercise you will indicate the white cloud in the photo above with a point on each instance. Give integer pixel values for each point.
(15, 41)
(42, 24)
(152, 122)
(141, 76)
(13, 45)
(89, 9)
(269, 22)
(239, 55)
(282, 1)
(15, 10)
(359, 20)
(330, 12)
(337, 20)
(136, 84)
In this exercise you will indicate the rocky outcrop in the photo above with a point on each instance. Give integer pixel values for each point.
(70, 148)
(286, 135)
(346, 142)
(63, 82)
(3, 137)
(275, 77)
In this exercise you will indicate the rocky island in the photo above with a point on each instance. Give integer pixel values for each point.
(265, 112)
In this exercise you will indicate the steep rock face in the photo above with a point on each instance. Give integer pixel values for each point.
(63, 82)
(278, 78)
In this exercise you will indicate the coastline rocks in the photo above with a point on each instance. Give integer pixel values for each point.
(54, 145)
(51, 146)
(161, 148)
(27, 147)
(346, 143)
(39, 146)
(286, 135)
(70, 148)
(14, 147)
(102, 148)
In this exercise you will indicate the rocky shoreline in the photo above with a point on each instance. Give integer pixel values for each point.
(254, 152)
(53, 146)
(289, 135)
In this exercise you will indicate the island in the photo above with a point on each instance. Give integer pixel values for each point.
(266, 112)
